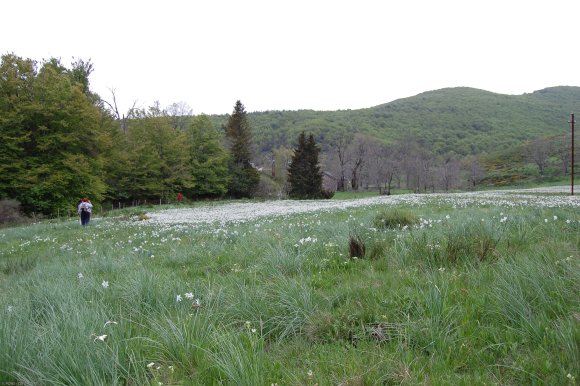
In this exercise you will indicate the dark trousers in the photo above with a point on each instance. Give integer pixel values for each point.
(85, 218)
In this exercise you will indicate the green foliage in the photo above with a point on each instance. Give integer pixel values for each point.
(460, 120)
(209, 160)
(276, 300)
(52, 135)
(269, 188)
(394, 218)
(244, 178)
(153, 157)
(304, 175)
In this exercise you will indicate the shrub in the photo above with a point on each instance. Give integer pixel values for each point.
(268, 188)
(10, 212)
(394, 218)
(327, 194)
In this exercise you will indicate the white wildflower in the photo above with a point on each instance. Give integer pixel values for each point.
(105, 284)
(189, 295)
(99, 337)
(178, 298)
(80, 275)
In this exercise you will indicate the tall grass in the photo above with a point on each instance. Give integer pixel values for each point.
(479, 295)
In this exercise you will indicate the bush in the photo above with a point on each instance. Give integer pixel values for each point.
(327, 194)
(268, 188)
(394, 218)
(10, 212)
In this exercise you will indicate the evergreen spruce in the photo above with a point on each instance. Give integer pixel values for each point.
(304, 175)
(244, 178)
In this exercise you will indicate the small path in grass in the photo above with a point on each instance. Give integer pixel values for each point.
(553, 197)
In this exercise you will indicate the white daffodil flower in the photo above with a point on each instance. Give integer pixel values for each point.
(99, 337)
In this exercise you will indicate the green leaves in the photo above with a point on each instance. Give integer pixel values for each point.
(49, 126)
(209, 159)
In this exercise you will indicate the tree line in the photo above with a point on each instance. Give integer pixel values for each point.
(59, 141)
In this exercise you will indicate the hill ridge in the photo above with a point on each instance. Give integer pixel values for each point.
(463, 120)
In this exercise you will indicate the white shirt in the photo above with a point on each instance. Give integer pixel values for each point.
(86, 205)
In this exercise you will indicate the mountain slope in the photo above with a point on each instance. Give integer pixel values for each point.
(463, 120)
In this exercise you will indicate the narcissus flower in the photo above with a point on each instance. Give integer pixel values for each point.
(99, 337)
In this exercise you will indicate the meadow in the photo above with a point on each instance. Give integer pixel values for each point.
(471, 288)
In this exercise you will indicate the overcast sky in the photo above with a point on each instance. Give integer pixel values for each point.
(300, 54)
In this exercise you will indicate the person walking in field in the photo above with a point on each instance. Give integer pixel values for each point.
(84, 209)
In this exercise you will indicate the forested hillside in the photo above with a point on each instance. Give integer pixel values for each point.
(461, 120)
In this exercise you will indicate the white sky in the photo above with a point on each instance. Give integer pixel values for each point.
(300, 54)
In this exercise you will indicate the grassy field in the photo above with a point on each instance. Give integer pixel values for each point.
(438, 291)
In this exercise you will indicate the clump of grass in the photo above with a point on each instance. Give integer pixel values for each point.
(356, 247)
(238, 357)
(471, 241)
(455, 243)
(18, 266)
(378, 248)
(395, 218)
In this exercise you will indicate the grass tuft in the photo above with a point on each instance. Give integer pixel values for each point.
(394, 218)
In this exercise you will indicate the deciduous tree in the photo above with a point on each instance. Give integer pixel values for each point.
(56, 131)
(209, 159)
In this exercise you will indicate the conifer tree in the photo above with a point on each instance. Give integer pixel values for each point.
(244, 178)
(304, 175)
